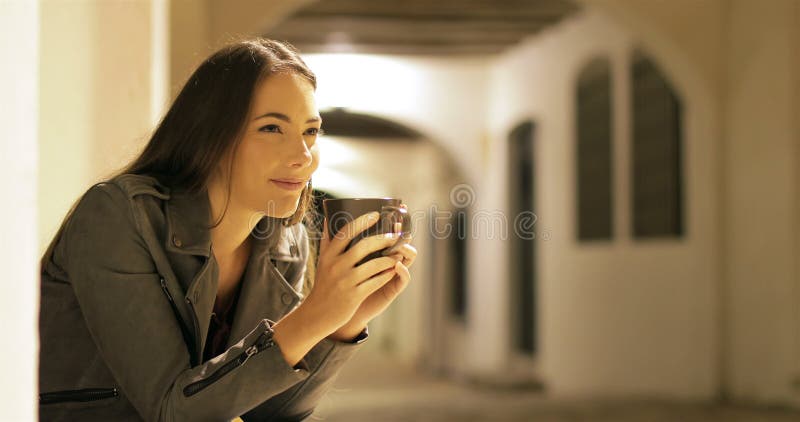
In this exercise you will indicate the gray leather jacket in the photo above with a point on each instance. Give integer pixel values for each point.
(126, 302)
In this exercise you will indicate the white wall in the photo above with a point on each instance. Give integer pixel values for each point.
(19, 36)
(625, 317)
(103, 82)
(66, 110)
(761, 155)
(746, 56)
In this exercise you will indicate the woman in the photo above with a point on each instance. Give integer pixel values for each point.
(178, 289)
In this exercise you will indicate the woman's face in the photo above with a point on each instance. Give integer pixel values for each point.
(278, 151)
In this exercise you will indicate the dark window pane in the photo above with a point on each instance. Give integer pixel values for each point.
(593, 152)
(657, 179)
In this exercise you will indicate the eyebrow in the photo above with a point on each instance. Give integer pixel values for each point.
(286, 118)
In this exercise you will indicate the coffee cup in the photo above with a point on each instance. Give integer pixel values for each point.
(341, 211)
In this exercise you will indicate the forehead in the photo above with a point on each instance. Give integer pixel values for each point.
(284, 92)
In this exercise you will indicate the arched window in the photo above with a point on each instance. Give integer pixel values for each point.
(656, 157)
(593, 152)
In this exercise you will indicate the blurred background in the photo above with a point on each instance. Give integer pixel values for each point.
(605, 192)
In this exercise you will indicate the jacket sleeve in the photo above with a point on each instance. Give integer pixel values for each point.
(323, 361)
(134, 328)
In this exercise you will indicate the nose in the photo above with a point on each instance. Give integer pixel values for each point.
(300, 155)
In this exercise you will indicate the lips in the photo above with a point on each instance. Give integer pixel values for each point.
(289, 184)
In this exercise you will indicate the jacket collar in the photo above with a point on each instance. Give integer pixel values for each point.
(187, 223)
(188, 232)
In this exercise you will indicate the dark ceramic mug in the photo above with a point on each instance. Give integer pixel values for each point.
(339, 212)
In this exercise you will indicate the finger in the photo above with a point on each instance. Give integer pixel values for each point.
(393, 288)
(343, 237)
(404, 275)
(395, 248)
(367, 246)
(323, 242)
(406, 254)
(374, 266)
(374, 283)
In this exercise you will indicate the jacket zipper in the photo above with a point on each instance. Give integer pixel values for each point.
(264, 341)
(197, 345)
(187, 338)
(196, 355)
(83, 395)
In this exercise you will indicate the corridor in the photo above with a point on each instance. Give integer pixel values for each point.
(382, 391)
(604, 193)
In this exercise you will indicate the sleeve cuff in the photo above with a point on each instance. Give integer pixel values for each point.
(334, 350)
(360, 338)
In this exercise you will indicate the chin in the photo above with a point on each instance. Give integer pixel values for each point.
(288, 213)
(282, 208)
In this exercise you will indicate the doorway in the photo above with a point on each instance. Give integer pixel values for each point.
(522, 249)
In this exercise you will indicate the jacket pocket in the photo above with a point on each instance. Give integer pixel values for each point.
(82, 395)
(263, 342)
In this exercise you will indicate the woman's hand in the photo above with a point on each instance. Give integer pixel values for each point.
(380, 300)
(345, 297)
(340, 286)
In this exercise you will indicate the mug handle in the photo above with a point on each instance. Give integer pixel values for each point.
(405, 235)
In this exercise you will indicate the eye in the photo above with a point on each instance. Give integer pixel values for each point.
(270, 129)
(315, 131)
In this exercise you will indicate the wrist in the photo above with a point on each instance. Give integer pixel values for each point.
(313, 324)
(348, 332)
(296, 333)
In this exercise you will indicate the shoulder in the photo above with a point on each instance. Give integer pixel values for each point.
(139, 184)
(112, 198)
(103, 229)
(121, 189)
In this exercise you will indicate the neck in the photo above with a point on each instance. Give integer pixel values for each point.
(233, 231)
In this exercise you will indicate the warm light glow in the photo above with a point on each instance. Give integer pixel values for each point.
(365, 82)
(334, 153)
(335, 172)
(343, 184)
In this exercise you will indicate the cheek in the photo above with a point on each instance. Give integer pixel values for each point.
(252, 165)
(315, 157)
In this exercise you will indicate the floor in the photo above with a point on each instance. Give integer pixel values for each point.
(387, 392)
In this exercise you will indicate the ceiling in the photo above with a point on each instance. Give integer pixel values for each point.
(418, 27)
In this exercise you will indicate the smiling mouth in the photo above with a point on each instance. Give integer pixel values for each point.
(288, 185)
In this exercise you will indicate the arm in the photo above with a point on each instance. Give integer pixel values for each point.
(117, 286)
(324, 361)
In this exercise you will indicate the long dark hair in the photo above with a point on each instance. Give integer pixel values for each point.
(206, 121)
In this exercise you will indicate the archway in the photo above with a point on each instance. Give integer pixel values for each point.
(367, 155)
